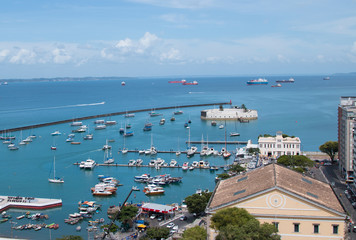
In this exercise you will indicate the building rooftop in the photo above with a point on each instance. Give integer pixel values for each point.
(273, 176)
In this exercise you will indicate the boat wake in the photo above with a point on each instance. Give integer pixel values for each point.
(48, 108)
(195, 92)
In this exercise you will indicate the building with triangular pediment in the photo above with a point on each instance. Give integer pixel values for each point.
(299, 206)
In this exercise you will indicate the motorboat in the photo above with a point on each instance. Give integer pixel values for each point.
(132, 162)
(56, 133)
(142, 178)
(234, 134)
(76, 124)
(221, 126)
(99, 121)
(152, 163)
(213, 123)
(195, 164)
(162, 121)
(88, 137)
(139, 162)
(173, 163)
(108, 158)
(124, 150)
(191, 151)
(128, 115)
(100, 127)
(89, 164)
(154, 191)
(185, 166)
(142, 151)
(106, 146)
(110, 122)
(81, 164)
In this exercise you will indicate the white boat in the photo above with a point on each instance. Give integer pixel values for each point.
(172, 163)
(89, 164)
(143, 177)
(132, 162)
(191, 151)
(142, 151)
(221, 126)
(76, 124)
(108, 158)
(81, 164)
(124, 150)
(139, 162)
(56, 133)
(195, 164)
(99, 121)
(100, 127)
(128, 115)
(111, 122)
(106, 146)
(234, 134)
(185, 166)
(55, 179)
(152, 163)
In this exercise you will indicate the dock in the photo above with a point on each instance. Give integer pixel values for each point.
(107, 115)
(216, 142)
(143, 165)
(7, 202)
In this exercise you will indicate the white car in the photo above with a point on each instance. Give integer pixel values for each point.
(170, 225)
(153, 216)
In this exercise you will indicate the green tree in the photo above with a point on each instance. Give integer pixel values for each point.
(237, 223)
(330, 148)
(195, 233)
(114, 228)
(127, 214)
(253, 150)
(295, 162)
(197, 203)
(70, 237)
(236, 168)
(157, 233)
(223, 176)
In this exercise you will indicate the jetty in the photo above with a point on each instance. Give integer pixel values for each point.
(145, 165)
(7, 202)
(107, 115)
(216, 142)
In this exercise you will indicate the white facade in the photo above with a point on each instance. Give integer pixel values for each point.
(278, 146)
(233, 113)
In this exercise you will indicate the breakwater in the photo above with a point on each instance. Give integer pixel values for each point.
(106, 115)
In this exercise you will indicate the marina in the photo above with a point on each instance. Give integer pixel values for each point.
(35, 160)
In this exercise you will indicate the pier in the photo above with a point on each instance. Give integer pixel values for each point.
(144, 165)
(7, 202)
(107, 115)
(216, 142)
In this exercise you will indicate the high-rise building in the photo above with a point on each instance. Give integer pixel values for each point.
(346, 120)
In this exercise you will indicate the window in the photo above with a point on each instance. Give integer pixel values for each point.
(316, 228)
(296, 227)
(335, 229)
(275, 224)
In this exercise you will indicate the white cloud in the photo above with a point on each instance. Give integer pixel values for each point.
(23, 56)
(3, 54)
(171, 55)
(124, 45)
(183, 4)
(60, 56)
(353, 48)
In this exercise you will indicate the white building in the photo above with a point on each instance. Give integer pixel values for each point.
(233, 113)
(278, 145)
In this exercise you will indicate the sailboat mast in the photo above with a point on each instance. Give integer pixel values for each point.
(54, 166)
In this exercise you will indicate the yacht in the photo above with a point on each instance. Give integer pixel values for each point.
(185, 166)
(76, 124)
(132, 162)
(139, 162)
(99, 121)
(89, 164)
(56, 133)
(100, 127)
(191, 151)
(173, 163)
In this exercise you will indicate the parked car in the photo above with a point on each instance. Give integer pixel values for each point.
(153, 216)
(183, 218)
(160, 218)
(170, 225)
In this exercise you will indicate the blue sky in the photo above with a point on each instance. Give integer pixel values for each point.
(80, 38)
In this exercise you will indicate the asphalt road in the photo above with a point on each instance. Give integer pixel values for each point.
(339, 186)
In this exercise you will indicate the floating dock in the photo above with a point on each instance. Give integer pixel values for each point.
(216, 142)
(107, 115)
(7, 202)
(144, 165)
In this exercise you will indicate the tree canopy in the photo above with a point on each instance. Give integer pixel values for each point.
(330, 148)
(127, 213)
(237, 223)
(296, 162)
(195, 233)
(157, 233)
(197, 203)
(236, 168)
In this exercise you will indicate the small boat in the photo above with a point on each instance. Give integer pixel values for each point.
(70, 139)
(56, 133)
(55, 179)
(135, 188)
(88, 137)
(75, 143)
(139, 162)
(128, 134)
(110, 122)
(173, 163)
(99, 121)
(108, 159)
(191, 151)
(100, 127)
(147, 127)
(277, 85)
(186, 125)
(290, 80)
(106, 146)
(326, 78)
(173, 119)
(76, 124)
(89, 164)
(162, 121)
(142, 151)
(132, 162)
(213, 123)
(221, 126)
(234, 134)
(124, 150)
(190, 83)
(185, 166)
(128, 115)
(53, 148)
(20, 217)
(178, 112)
(123, 83)
(154, 114)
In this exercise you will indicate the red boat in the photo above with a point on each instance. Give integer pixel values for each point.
(191, 83)
(179, 81)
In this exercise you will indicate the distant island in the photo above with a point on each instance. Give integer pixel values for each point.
(64, 79)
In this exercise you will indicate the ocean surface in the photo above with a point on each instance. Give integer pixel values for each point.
(306, 109)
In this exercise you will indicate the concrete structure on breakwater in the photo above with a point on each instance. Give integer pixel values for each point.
(233, 113)
(106, 115)
(126, 165)
(7, 202)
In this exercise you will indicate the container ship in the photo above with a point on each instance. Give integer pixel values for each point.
(260, 81)
(291, 80)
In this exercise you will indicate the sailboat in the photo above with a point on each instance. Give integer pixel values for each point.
(226, 154)
(234, 134)
(55, 179)
(178, 152)
(108, 159)
(124, 149)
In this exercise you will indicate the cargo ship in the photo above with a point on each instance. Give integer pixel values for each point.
(260, 81)
(178, 81)
(191, 83)
(291, 80)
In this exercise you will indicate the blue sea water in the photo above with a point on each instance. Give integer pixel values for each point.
(306, 108)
